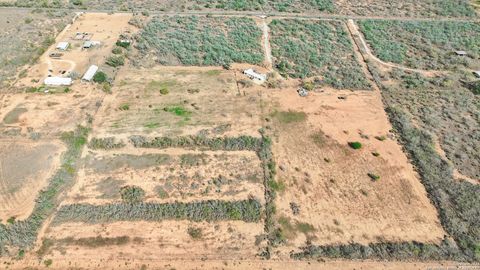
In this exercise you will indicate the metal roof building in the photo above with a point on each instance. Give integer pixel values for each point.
(58, 81)
(252, 74)
(62, 46)
(477, 73)
(88, 76)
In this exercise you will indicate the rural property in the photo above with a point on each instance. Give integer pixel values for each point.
(235, 134)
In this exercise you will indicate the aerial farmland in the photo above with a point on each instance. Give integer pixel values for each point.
(239, 134)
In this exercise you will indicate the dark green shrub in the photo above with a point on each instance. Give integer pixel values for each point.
(195, 233)
(115, 61)
(373, 176)
(355, 145)
(100, 77)
(132, 194)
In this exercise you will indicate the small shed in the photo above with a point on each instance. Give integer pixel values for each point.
(477, 73)
(89, 43)
(58, 81)
(461, 53)
(252, 74)
(63, 46)
(88, 76)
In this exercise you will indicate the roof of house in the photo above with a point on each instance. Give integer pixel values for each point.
(90, 73)
(58, 81)
(461, 52)
(62, 45)
(255, 74)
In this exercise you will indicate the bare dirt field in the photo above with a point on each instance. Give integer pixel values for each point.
(174, 101)
(335, 186)
(38, 115)
(23, 173)
(146, 240)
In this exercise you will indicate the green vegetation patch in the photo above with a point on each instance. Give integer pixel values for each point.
(305, 49)
(163, 87)
(278, 5)
(201, 41)
(178, 111)
(423, 45)
(248, 211)
(105, 143)
(288, 117)
(355, 145)
(132, 194)
(199, 142)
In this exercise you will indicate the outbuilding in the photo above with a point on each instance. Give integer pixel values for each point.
(461, 53)
(63, 46)
(58, 81)
(88, 76)
(252, 74)
(88, 44)
(477, 73)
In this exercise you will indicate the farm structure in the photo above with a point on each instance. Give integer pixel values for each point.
(58, 81)
(63, 46)
(254, 75)
(90, 73)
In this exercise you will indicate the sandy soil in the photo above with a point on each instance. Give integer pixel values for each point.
(330, 182)
(24, 171)
(181, 175)
(105, 28)
(209, 96)
(49, 113)
(167, 239)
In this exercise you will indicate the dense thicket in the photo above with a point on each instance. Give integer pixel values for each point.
(322, 48)
(424, 45)
(201, 41)
(248, 211)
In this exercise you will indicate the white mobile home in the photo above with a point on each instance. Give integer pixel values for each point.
(90, 73)
(58, 81)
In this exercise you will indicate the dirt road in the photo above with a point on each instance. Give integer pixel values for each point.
(353, 28)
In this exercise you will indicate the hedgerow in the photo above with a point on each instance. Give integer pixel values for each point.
(305, 49)
(201, 41)
(105, 143)
(219, 143)
(212, 210)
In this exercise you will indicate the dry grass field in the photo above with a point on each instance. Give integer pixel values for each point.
(179, 101)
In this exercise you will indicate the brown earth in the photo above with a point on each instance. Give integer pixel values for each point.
(24, 171)
(330, 182)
